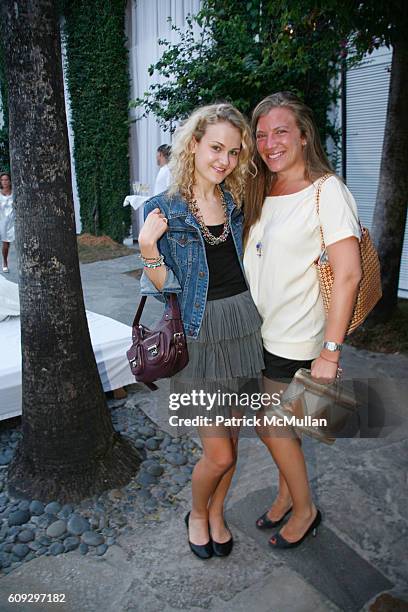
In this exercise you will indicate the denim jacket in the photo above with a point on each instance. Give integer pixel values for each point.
(185, 258)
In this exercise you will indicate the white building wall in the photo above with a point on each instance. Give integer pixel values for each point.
(367, 98)
(146, 23)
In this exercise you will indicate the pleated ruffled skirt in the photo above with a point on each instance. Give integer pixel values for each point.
(225, 359)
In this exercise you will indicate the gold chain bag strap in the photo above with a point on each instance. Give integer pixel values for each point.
(369, 292)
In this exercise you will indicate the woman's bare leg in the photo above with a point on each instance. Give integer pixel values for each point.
(282, 502)
(219, 531)
(5, 252)
(217, 461)
(289, 458)
(287, 453)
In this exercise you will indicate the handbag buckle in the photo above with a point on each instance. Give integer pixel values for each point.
(178, 338)
(153, 350)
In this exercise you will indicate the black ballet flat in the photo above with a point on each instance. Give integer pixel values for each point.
(223, 549)
(265, 523)
(203, 551)
(278, 541)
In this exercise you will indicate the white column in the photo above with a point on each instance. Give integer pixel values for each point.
(146, 23)
(70, 137)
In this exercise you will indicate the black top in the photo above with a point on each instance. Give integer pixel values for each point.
(226, 277)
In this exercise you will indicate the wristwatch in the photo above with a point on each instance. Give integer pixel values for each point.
(332, 346)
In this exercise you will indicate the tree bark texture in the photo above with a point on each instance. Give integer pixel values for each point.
(69, 448)
(390, 211)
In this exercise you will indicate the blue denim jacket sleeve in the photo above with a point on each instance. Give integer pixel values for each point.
(171, 283)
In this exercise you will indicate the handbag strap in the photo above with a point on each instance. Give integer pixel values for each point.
(139, 311)
(172, 309)
(322, 180)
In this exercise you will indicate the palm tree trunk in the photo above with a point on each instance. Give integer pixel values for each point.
(390, 213)
(69, 448)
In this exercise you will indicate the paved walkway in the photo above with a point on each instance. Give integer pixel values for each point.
(359, 484)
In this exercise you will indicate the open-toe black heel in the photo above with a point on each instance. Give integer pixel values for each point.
(203, 551)
(278, 541)
(263, 522)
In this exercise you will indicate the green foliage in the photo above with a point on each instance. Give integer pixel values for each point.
(98, 82)
(246, 51)
(4, 130)
(370, 24)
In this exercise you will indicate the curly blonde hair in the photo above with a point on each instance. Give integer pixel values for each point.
(181, 161)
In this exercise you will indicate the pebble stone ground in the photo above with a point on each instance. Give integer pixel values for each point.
(30, 528)
(137, 556)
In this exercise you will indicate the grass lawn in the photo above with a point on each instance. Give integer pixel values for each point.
(391, 337)
(98, 248)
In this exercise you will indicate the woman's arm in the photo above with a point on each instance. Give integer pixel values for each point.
(153, 229)
(344, 257)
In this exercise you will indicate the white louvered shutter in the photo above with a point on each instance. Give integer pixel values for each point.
(367, 97)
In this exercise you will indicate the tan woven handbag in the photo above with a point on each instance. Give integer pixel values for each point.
(369, 292)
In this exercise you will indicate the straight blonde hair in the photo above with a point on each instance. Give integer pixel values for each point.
(316, 163)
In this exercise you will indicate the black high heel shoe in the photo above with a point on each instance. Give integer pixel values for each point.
(203, 551)
(278, 541)
(223, 549)
(263, 522)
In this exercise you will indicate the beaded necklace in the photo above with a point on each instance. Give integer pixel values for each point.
(207, 235)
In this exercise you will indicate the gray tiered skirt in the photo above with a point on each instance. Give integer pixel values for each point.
(226, 357)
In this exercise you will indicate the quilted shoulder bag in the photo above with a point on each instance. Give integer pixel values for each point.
(160, 352)
(369, 292)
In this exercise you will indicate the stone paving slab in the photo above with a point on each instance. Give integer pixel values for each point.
(89, 584)
(326, 562)
(281, 591)
(154, 570)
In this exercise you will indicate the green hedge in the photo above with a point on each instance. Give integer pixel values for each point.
(98, 82)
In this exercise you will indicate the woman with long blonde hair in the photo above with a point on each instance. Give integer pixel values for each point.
(282, 242)
(191, 244)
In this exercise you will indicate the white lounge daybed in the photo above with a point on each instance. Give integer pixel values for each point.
(110, 341)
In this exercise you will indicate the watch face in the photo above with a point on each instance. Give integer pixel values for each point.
(332, 346)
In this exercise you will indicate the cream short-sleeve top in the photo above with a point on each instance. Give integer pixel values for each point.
(278, 260)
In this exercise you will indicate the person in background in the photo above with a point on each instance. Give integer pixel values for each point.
(6, 217)
(163, 178)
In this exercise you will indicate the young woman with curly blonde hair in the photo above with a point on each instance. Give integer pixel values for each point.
(194, 234)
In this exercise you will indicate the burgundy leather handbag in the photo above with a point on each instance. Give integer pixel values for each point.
(160, 352)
